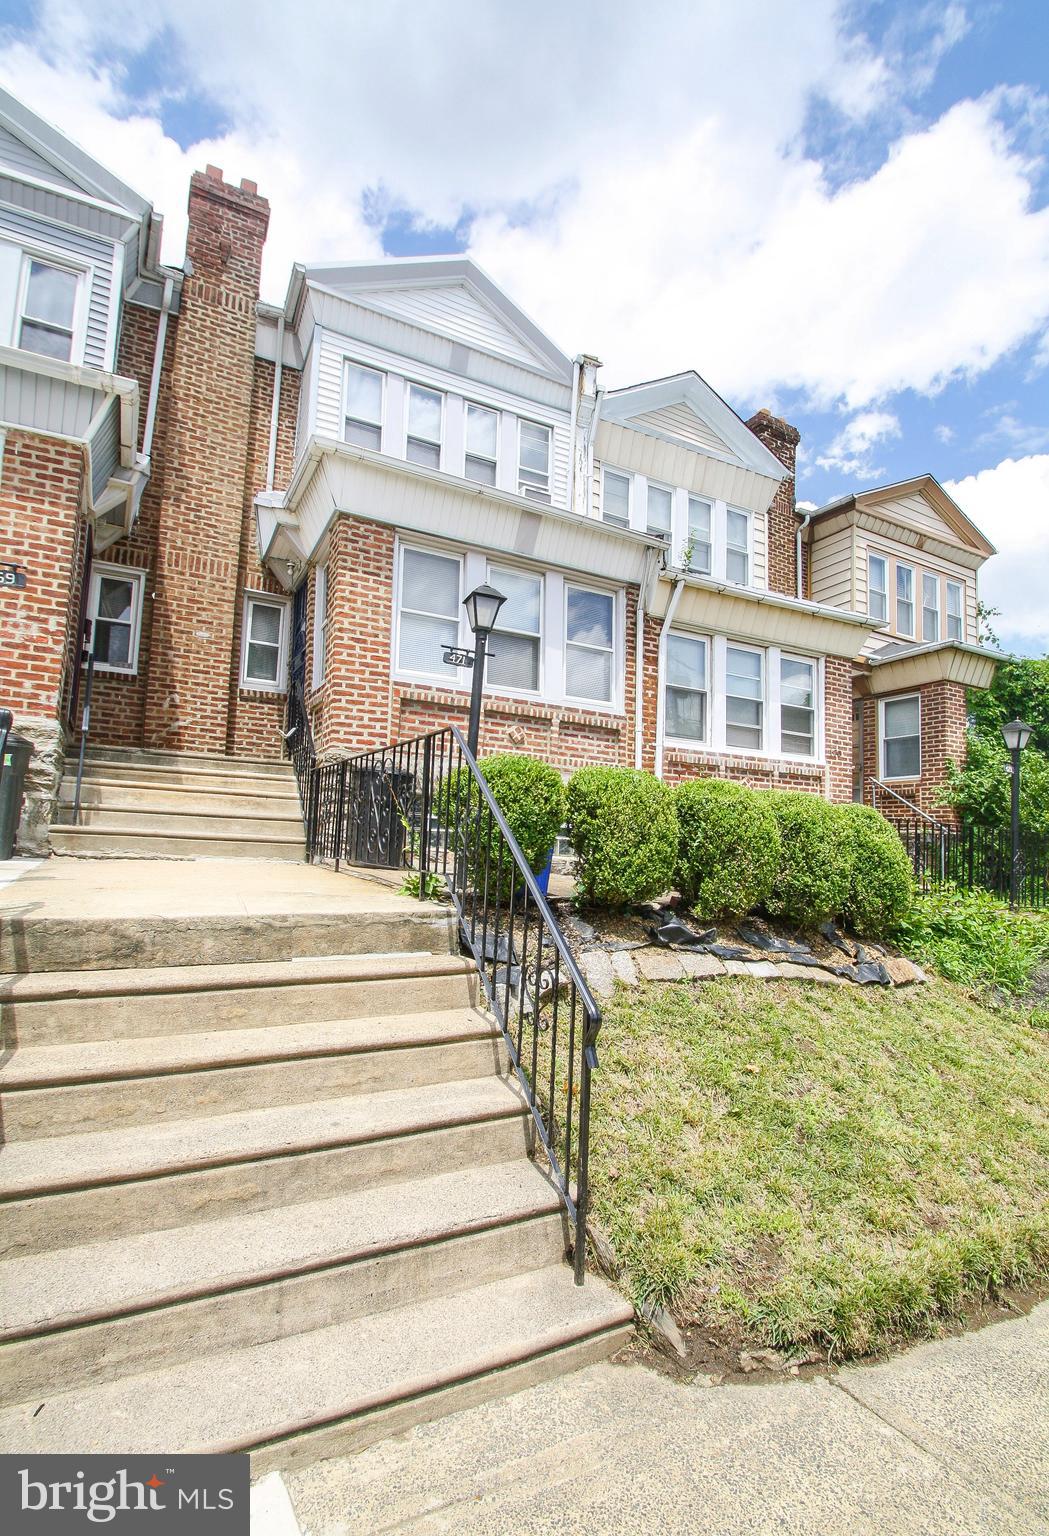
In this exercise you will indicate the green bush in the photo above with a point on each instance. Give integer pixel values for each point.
(530, 794)
(625, 834)
(972, 937)
(881, 887)
(815, 867)
(728, 849)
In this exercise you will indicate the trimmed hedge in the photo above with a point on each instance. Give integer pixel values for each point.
(624, 831)
(728, 847)
(530, 794)
(815, 868)
(881, 888)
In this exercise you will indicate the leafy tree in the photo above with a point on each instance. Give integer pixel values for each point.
(1020, 691)
(982, 790)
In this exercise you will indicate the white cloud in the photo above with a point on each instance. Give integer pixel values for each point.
(1010, 503)
(852, 451)
(943, 433)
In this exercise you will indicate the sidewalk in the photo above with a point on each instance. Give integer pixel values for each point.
(950, 1439)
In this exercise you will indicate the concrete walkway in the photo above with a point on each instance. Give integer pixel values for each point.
(950, 1439)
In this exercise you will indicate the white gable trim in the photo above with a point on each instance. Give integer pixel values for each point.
(70, 161)
(624, 406)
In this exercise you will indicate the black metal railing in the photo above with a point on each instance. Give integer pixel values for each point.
(423, 806)
(976, 858)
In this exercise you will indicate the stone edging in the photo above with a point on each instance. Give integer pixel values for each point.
(603, 968)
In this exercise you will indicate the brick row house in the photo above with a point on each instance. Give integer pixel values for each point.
(235, 499)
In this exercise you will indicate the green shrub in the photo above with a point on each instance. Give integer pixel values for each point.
(972, 937)
(728, 849)
(625, 834)
(881, 887)
(815, 867)
(530, 794)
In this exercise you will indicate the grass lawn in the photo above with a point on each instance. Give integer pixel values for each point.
(820, 1165)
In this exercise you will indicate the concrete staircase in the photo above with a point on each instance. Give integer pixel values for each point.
(179, 805)
(281, 1205)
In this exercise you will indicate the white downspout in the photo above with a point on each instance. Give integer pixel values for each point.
(572, 427)
(158, 364)
(799, 574)
(668, 619)
(278, 368)
(643, 599)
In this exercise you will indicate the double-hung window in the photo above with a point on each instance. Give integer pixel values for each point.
(425, 410)
(930, 606)
(797, 706)
(429, 611)
(264, 653)
(954, 610)
(700, 522)
(589, 643)
(482, 444)
(615, 498)
(533, 460)
(901, 756)
(737, 548)
(878, 587)
(904, 600)
(516, 645)
(48, 313)
(660, 509)
(686, 688)
(362, 406)
(320, 624)
(744, 697)
(115, 610)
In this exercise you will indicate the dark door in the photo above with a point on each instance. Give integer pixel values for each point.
(298, 639)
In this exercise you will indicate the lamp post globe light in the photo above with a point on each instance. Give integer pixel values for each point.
(1016, 735)
(482, 609)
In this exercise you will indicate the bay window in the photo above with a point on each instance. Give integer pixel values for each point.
(744, 697)
(482, 444)
(264, 651)
(797, 706)
(901, 756)
(615, 498)
(514, 658)
(428, 619)
(930, 606)
(737, 547)
(589, 644)
(425, 410)
(362, 406)
(699, 539)
(533, 460)
(660, 509)
(685, 704)
(47, 316)
(115, 611)
(878, 587)
(955, 598)
(904, 599)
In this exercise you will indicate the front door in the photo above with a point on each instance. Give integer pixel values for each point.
(298, 640)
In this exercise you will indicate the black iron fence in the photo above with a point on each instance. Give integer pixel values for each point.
(423, 806)
(976, 858)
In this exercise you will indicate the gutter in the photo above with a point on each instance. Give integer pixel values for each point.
(278, 369)
(668, 619)
(644, 598)
(158, 364)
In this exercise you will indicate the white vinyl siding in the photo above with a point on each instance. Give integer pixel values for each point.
(744, 698)
(930, 607)
(482, 444)
(363, 391)
(905, 600)
(515, 651)
(615, 498)
(264, 651)
(878, 587)
(425, 416)
(955, 611)
(901, 720)
(115, 611)
(428, 617)
(700, 535)
(686, 704)
(91, 257)
(589, 644)
(533, 460)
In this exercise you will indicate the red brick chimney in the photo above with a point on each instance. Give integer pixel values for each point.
(781, 439)
(209, 385)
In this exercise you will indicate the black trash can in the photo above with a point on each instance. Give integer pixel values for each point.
(17, 753)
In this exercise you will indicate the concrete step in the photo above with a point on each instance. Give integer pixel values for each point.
(161, 820)
(224, 798)
(65, 1190)
(338, 1388)
(108, 838)
(63, 1007)
(108, 1309)
(60, 1090)
(130, 758)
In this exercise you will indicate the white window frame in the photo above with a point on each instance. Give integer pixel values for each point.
(491, 576)
(959, 587)
(762, 748)
(872, 555)
(906, 634)
(693, 743)
(410, 436)
(813, 664)
(347, 364)
(446, 675)
(620, 474)
(481, 458)
(748, 516)
(667, 490)
(616, 680)
(137, 577)
(526, 488)
(702, 501)
(898, 778)
(320, 625)
(930, 578)
(84, 276)
(271, 600)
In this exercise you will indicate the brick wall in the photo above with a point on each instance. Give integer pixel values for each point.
(781, 439)
(942, 739)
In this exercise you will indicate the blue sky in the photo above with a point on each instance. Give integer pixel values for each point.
(837, 210)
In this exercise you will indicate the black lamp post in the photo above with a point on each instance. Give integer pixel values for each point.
(482, 609)
(1016, 735)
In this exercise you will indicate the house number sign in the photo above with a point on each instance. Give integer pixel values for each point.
(455, 656)
(12, 575)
